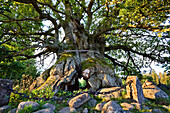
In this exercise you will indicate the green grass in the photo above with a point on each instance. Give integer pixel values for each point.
(15, 99)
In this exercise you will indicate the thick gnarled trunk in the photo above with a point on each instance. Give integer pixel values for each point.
(84, 58)
(96, 73)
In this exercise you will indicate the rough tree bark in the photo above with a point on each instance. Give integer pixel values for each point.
(84, 58)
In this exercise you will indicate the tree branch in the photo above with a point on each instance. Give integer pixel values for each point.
(89, 13)
(133, 61)
(32, 56)
(24, 1)
(15, 20)
(27, 34)
(115, 62)
(127, 27)
(125, 48)
(84, 8)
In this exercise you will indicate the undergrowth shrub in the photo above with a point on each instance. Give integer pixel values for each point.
(27, 109)
(45, 93)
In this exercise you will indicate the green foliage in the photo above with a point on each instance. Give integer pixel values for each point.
(80, 90)
(157, 104)
(45, 93)
(155, 77)
(82, 83)
(15, 69)
(132, 27)
(123, 93)
(27, 109)
(92, 62)
(61, 93)
(162, 78)
(15, 99)
(146, 77)
(12, 67)
(123, 81)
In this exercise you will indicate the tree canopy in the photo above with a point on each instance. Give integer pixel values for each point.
(130, 34)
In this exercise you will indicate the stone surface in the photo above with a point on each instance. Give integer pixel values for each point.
(102, 76)
(22, 105)
(108, 81)
(47, 110)
(147, 83)
(40, 80)
(68, 110)
(65, 80)
(166, 107)
(49, 82)
(163, 86)
(137, 105)
(4, 109)
(85, 110)
(134, 89)
(99, 106)
(103, 80)
(5, 93)
(79, 100)
(57, 69)
(48, 105)
(115, 92)
(88, 72)
(145, 107)
(94, 82)
(96, 75)
(127, 106)
(153, 92)
(92, 102)
(112, 107)
(13, 110)
(156, 111)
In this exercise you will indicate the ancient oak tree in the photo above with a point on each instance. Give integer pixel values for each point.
(128, 34)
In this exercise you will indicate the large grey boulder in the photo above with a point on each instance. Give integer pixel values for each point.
(151, 91)
(64, 74)
(134, 89)
(99, 106)
(4, 109)
(5, 93)
(94, 82)
(85, 110)
(112, 107)
(108, 81)
(68, 110)
(79, 100)
(156, 111)
(23, 105)
(13, 110)
(47, 110)
(40, 80)
(137, 105)
(49, 82)
(103, 79)
(108, 93)
(69, 78)
(127, 106)
(48, 105)
(92, 102)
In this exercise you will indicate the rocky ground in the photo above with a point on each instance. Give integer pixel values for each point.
(135, 98)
